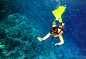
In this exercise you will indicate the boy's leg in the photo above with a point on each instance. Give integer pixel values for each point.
(54, 23)
(61, 25)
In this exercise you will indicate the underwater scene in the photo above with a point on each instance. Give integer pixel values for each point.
(33, 29)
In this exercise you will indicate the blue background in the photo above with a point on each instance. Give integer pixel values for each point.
(37, 14)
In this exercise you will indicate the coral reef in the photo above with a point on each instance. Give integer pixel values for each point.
(46, 51)
(18, 38)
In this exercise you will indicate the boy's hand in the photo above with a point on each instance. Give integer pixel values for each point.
(57, 44)
(39, 38)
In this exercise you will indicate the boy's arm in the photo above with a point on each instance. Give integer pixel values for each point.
(47, 36)
(62, 41)
(60, 34)
(44, 38)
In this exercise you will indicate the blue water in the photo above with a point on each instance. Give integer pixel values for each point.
(74, 29)
(39, 19)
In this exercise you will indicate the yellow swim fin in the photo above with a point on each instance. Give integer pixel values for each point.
(58, 12)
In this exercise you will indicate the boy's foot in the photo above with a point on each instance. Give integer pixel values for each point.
(63, 24)
(56, 19)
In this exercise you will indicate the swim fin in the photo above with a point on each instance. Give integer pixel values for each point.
(58, 12)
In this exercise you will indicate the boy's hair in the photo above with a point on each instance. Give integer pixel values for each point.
(54, 29)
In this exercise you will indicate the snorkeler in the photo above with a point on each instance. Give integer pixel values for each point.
(56, 32)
